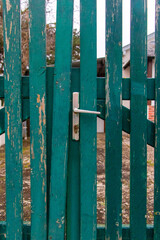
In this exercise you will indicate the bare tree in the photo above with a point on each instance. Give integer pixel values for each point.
(50, 34)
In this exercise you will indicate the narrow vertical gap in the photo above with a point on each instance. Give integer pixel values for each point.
(150, 185)
(51, 7)
(25, 37)
(26, 180)
(25, 103)
(125, 178)
(101, 145)
(126, 103)
(76, 35)
(125, 136)
(100, 171)
(126, 23)
(150, 109)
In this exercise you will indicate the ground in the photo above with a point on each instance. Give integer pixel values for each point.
(125, 179)
(26, 181)
(100, 180)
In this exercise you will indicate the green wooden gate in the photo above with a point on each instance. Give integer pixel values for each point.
(63, 171)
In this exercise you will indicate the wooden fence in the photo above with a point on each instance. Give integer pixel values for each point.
(63, 171)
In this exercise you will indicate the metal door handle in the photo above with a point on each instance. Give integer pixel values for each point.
(75, 116)
(77, 110)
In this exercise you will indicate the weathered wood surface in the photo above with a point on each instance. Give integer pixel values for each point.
(73, 189)
(113, 119)
(100, 103)
(88, 135)
(157, 128)
(100, 232)
(126, 87)
(60, 120)
(37, 88)
(13, 119)
(82, 222)
(138, 136)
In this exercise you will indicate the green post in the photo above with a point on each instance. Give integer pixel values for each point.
(60, 119)
(138, 135)
(113, 119)
(88, 127)
(37, 88)
(13, 119)
(73, 186)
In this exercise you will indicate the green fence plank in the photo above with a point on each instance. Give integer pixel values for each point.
(100, 232)
(25, 109)
(126, 88)
(125, 232)
(73, 197)
(88, 132)
(138, 137)
(150, 126)
(150, 89)
(49, 114)
(100, 107)
(13, 118)
(25, 87)
(60, 119)
(126, 122)
(37, 89)
(25, 115)
(150, 133)
(113, 119)
(157, 128)
(73, 186)
(26, 231)
(100, 88)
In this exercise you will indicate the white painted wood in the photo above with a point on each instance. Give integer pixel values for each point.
(100, 125)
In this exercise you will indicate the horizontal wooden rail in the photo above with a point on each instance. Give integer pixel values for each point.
(25, 87)
(25, 115)
(100, 231)
(100, 107)
(100, 103)
(13, 119)
(100, 88)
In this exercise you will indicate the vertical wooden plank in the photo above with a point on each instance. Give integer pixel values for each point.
(138, 136)
(60, 120)
(73, 186)
(13, 118)
(49, 113)
(88, 127)
(113, 119)
(38, 119)
(157, 129)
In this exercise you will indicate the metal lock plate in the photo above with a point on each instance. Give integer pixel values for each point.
(75, 116)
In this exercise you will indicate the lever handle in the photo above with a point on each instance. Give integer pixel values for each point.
(75, 116)
(77, 110)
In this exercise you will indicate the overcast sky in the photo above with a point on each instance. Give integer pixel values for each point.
(51, 17)
(126, 23)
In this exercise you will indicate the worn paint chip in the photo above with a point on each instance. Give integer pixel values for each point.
(8, 5)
